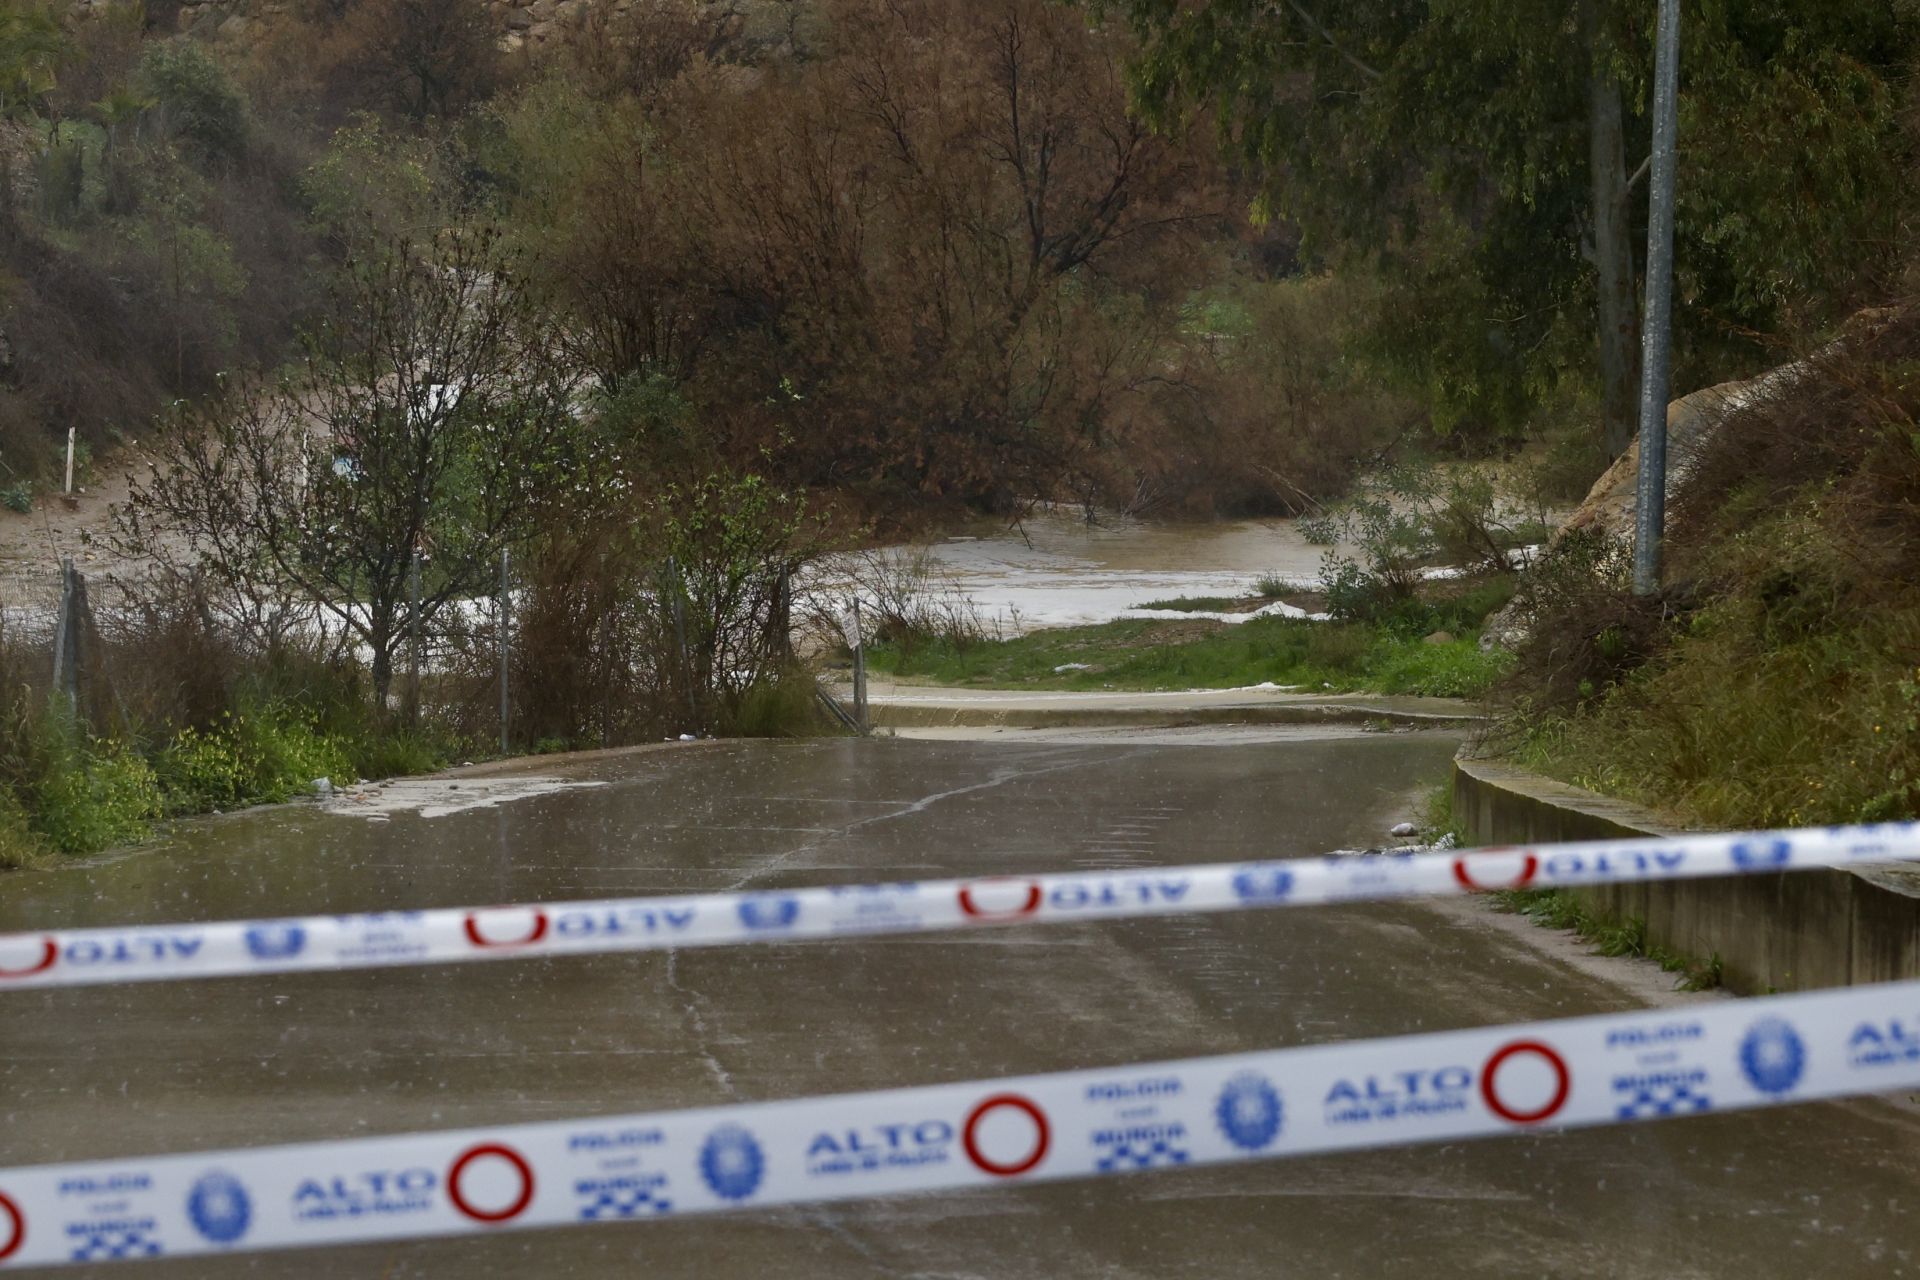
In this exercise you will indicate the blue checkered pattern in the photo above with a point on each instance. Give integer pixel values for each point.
(1139, 1155)
(111, 1244)
(1659, 1097)
(625, 1202)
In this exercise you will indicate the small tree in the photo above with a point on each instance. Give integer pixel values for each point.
(426, 57)
(431, 415)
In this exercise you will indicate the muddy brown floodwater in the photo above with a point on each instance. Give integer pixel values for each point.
(1823, 1190)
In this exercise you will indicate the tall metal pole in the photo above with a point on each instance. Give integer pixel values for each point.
(503, 622)
(859, 670)
(1657, 331)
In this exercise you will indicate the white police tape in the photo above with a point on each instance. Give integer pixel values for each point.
(144, 953)
(1611, 1069)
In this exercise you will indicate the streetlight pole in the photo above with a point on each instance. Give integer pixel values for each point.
(1656, 333)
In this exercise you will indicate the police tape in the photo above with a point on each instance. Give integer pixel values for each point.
(143, 953)
(1579, 1072)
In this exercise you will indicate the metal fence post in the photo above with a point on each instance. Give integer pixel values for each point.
(1650, 516)
(502, 622)
(66, 637)
(860, 670)
(413, 641)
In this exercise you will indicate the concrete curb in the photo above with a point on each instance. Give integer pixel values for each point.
(897, 716)
(1791, 932)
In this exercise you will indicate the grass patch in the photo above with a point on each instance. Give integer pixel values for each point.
(1740, 724)
(1197, 604)
(401, 753)
(1558, 909)
(1164, 654)
(781, 706)
(1437, 820)
(20, 847)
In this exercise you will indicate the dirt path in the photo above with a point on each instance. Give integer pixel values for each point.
(32, 545)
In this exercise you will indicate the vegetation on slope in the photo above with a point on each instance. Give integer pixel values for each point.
(1776, 679)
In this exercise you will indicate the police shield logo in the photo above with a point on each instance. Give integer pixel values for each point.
(1249, 1112)
(1773, 1056)
(732, 1163)
(1263, 884)
(769, 913)
(1759, 855)
(219, 1208)
(276, 941)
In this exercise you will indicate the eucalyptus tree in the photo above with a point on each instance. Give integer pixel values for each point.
(1487, 156)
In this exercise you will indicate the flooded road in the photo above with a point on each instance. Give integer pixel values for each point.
(1828, 1190)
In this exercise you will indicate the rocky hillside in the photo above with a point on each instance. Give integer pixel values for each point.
(520, 24)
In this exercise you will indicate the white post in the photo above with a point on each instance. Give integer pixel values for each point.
(69, 459)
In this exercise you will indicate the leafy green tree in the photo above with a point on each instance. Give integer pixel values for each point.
(1488, 156)
(432, 415)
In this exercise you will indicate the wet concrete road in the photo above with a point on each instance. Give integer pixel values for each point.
(1830, 1190)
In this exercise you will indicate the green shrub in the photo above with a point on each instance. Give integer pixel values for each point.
(1337, 646)
(19, 845)
(778, 707)
(62, 173)
(265, 755)
(394, 754)
(286, 754)
(96, 795)
(18, 496)
(195, 97)
(201, 771)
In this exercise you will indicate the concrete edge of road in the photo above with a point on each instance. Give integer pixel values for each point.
(560, 759)
(887, 715)
(1790, 932)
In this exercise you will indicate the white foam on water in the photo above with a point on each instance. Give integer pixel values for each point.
(438, 797)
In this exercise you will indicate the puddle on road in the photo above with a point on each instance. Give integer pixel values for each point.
(438, 797)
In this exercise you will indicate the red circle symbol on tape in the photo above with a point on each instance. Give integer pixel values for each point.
(1490, 1093)
(1528, 869)
(495, 1151)
(49, 952)
(534, 935)
(16, 1234)
(1042, 1136)
(1028, 905)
